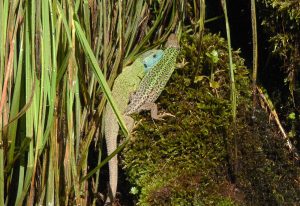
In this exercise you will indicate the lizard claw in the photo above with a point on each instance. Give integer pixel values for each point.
(136, 124)
(164, 114)
(181, 64)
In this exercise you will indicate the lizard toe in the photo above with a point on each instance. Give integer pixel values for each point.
(164, 114)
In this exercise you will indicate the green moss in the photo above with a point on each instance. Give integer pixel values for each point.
(267, 172)
(186, 160)
(288, 8)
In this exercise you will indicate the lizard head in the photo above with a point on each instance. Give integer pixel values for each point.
(151, 58)
(172, 41)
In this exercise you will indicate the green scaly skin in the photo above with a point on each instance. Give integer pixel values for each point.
(155, 81)
(125, 84)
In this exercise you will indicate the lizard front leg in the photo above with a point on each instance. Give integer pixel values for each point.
(154, 111)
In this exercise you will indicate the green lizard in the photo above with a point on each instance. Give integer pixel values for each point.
(154, 82)
(125, 84)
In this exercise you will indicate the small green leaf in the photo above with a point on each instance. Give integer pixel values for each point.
(199, 78)
(134, 191)
(292, 116)
(214, 85)
(187, 81)
(234, 67)
(291, 134)
(214, 56)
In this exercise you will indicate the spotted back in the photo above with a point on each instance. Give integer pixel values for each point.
(156, 79)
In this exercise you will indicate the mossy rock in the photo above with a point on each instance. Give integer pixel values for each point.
(187, 159)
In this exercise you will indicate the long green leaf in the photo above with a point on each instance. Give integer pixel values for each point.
(97, 71)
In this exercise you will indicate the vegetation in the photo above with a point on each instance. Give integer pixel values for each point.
(280, 21)
(188, 160)
(180, 161)
(55, 58)
(58, 60)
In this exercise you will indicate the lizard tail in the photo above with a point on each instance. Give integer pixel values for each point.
(111, 134)
(113, 170)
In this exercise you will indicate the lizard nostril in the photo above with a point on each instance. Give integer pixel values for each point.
(154, 56)
(145, 65)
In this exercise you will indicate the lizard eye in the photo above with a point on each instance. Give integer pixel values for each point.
(154, 55)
